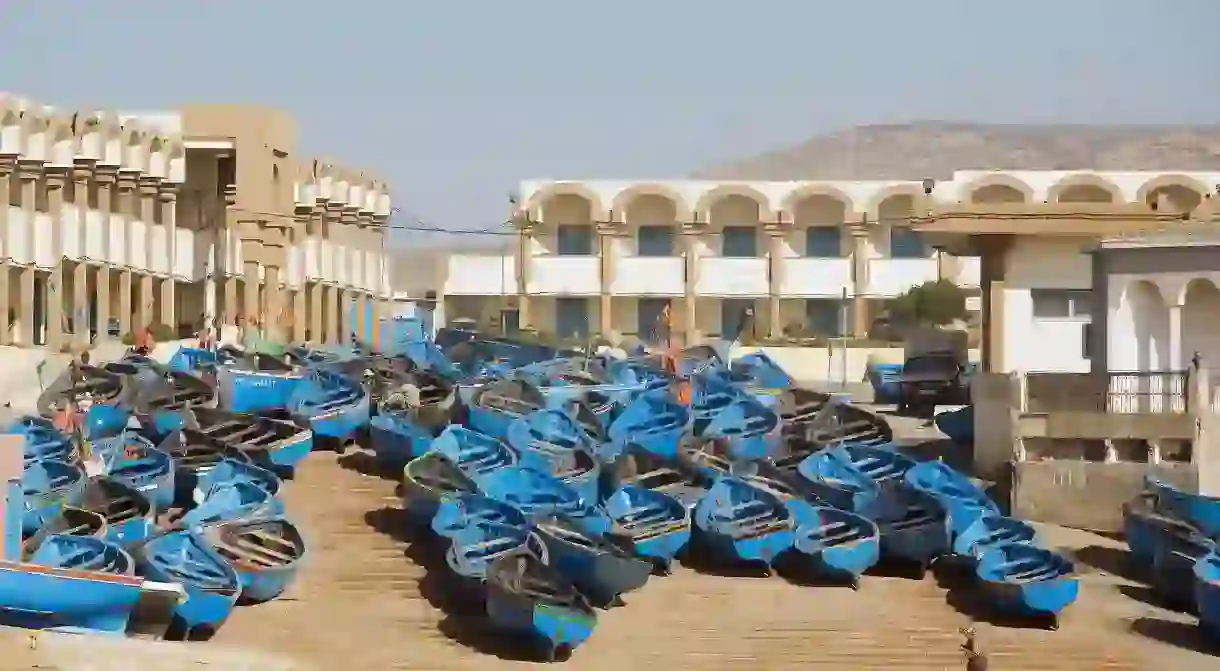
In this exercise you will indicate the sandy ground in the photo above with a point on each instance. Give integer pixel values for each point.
(371, 599)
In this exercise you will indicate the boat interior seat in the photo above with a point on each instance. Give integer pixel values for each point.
(1033, 573)
(254, 552)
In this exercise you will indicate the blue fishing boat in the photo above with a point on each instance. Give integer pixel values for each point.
(834, 478)
(526, 597)
(46, 485)
(69, 522)
(599, 567)
(919, 535)
(1173, 566)
(472, 549)
(841, 545)
(957, 424)
(430, 479)
(758, 369)
(229, 471)
(1025, 579)
(475, 453)
(990, 531)
(212, 585)
(230, 501)
(42, 441)
(194, 455)
(266, 554)
(748, 429)
(675, 478)
(744, 523)
(332, 406)
(1207, 593)
(130, 514)
(884, 378)
(406, 423)
(1198, 510)
(104, 393)
(256, 382)
(135, 461)
(553, 441)
(162, 403)
(496, 405)
(540, 495)
(963, 501)
(654, 422)
(711, 395)
(657, 525)
(462, 511)
(72, 584)
(272, 443)
(1145, 529)
(193, 360)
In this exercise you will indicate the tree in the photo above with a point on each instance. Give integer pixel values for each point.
(929, 304)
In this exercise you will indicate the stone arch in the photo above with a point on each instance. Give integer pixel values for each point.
(999, 188)
(874, 203)
(65, 145)
(806, 192)
(12, 136)
(134, 144)
(1084, 188)
(716, 196)
(175, 160)
(1189, 191)
(624, 200)
(1200, 320)
(544, 194)
(36, 121)
(1150, 317)
(96, 132)
(158, 160)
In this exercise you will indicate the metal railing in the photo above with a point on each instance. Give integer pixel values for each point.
(1159, 392)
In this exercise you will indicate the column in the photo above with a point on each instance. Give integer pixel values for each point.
(149, 188)
(167, 193)
(56, 178)
(775, 255)
(129, 206)
(606, 258)
(29, 172)
(82, 172)
(525, 247)
(317, 332)
(107, 204)
(8, 165)
(860, 318)
(1175, 338)
(690, 250)
(330, 318)
(992, 265)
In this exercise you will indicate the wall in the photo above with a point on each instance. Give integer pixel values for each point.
(1044, 344)
(1086, 494)
(818, 364)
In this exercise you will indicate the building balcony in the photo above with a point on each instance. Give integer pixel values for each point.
(721, 276)
(816, 278)
(649, 276)
(480, 275)
(888, 278)
(565, 275)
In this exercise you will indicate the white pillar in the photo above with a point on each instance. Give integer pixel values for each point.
(1175, 338)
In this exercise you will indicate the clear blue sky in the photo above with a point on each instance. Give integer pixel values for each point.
(454, 102)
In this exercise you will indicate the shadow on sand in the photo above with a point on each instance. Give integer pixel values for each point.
(365, 463)
(964, 594)
(1178, 634)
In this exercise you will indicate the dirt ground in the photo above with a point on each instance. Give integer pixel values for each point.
(370, 599)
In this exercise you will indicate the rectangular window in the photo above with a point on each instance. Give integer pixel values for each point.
(574, 240)
(824, 316)
(739, 241)
(1061, 303)
(823, 242)
(655, 241)
(907, 244)
(736, 317)
(1086, 347)
(572, 317)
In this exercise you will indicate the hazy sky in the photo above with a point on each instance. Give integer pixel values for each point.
(454, 102)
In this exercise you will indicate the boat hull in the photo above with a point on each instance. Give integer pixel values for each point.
(555, 627)
(990, 531)
(841, 546)
(344, 423)
(41, 597)
(252, 392)
(598, 574)
(397, 440)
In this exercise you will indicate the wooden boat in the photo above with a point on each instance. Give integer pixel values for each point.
(757, 369)
(674, 478)
(496, 405)
(45, 486)
(462, 511)
(744, 523)
(400, 431)
(472, 550)
(212, 585)
(657, 525)
(964, 502)
(254, 382)
(748, 429)
(133, 460)
(841, 545)
(654, 422)
(266, 554)
(69, 522)
(1198, 510)
(1146, 529)
(429, 479)
(473, 452)
(98, 385)
(129, 513)
(1207, 593)
(331, 405)
(228, 471)
(834, 477)
(799, 408)
(989, 531)
(540, 495)
(194, 360)
(275, 444)
(1173, 578)
(231, 501)
(526, 597)
(552, 441)
(42, 441)
(1024, 579)
(957, 424)
(195, 454)
(72, 584)
(710, 396)
(601, 569)
(162, 408)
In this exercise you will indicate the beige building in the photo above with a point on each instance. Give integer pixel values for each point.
(112, 221)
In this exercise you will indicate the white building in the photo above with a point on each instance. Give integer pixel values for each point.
(609, 255)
